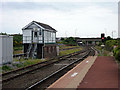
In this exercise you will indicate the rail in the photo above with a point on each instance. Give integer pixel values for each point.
(58, 71)
(82, 53)
(17, 55)
(31, 66)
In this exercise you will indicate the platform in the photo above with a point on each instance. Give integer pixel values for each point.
(93, 72)
(74, 76)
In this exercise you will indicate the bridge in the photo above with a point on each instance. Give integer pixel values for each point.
(87, 41)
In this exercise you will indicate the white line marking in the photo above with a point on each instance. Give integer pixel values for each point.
(74, 74)
(87, 61)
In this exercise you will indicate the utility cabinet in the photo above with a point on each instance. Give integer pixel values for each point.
(6, 49)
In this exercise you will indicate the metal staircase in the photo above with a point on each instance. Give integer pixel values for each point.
(34, 52)
(32, 49)
(29, 50)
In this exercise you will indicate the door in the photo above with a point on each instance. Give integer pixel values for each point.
(35, 36)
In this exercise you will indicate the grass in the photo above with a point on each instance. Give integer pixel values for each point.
(17, 50)
(27, 62)
(65, 47)
(30, 62)
(6, 68)
(69, 51)
(24, 63)
(103, 53)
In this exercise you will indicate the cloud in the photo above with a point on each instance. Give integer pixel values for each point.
(60, 0)
(69, 19)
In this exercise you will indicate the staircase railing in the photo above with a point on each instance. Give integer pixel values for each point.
(29, 49)
(34, 53)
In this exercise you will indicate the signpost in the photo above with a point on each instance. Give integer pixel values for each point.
(102, 46)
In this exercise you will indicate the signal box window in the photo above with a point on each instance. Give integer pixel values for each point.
(35, 34)
(40, 32)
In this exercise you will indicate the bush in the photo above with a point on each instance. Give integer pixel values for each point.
(117, 55)
(109, 44)
(6, 68)
(69, 41)
(17, 40)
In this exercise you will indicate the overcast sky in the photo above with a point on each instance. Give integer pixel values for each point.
(73, 18)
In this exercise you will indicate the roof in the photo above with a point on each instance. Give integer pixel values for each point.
(45, 26)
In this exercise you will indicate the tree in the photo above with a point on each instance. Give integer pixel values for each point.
(70, 41)
(3, 33)
(62, 39)
(108, 38)
(17, 40)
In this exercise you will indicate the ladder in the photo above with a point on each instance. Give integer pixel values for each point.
(34, 52)
(29, 49)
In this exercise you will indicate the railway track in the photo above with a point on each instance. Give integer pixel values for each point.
(32, 72)
(46, 82)
(68, 48)
(17, 55)
(23, 54)
(21, 71)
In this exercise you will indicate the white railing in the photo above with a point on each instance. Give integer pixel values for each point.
(28, 39)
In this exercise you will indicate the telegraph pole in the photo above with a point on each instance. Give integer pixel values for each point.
(113, 33)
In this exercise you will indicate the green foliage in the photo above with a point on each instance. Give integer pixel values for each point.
(67, 47)
(116, 53)
(17, 43)
(19, 65)
(69, 41)
(17, 48)
(23, 63)
(109, 44)
(108, 38)
(6, 68)
(3, 33)
(100, 43)
(17, 40)
(62, 39)
(69, 51)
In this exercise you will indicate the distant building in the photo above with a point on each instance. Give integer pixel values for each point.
(39, 40)
(58, 39)
(6, 49)
(119, 19)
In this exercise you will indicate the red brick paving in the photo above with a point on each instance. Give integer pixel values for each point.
(103, 74)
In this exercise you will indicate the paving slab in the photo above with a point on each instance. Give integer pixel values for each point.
(74, 76)
(103, 74)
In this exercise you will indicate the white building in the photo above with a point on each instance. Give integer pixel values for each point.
(6, 49)
(39, 40)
